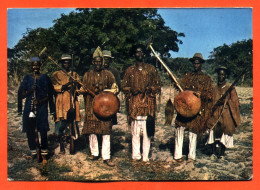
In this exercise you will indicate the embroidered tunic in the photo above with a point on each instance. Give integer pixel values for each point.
(202, 83)
(96, 81)
(141, 86)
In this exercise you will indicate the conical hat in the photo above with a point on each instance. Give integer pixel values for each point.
(98, 52)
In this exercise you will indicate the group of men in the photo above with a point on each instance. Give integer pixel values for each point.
(141, 84)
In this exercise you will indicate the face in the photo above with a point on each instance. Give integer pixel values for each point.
(139, 55)
(36, 66)
(197, 65)
(222, 75)
(97, 62)
(107, 61)
(66, 64)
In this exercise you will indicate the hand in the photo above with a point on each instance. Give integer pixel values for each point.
(135, 91)
(53, 116)
(35, 102)
(197, 93)
(66, 86)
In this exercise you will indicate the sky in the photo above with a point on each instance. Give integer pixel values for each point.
(204, 28)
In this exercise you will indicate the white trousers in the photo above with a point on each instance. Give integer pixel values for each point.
(226, 140)
(93, 144)
(138, 126)
(179, 135)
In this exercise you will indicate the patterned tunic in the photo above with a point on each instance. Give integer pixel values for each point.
(63, 98)
(230, 118)
(96, 82)
(202, 83)
(141, 87)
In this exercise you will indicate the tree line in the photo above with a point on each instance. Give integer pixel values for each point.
(117, 30)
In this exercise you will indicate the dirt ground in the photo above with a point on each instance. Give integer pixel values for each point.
(236, 165)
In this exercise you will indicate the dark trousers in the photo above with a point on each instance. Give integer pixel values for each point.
(31, 136)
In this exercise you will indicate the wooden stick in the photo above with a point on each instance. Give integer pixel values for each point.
(167, 68)
(85, 88)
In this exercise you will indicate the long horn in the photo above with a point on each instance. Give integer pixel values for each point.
(43, 51)
(166, 67)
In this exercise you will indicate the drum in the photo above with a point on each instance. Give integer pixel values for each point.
(187, 103)
(106, 104)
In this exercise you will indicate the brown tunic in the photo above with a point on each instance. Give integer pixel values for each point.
(63, 98)
(96, 82)
(230, 118)
(202, 83)
(146, 84)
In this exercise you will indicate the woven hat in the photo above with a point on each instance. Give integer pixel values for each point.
(107, 53)
(197, 56)
(33, 59)
(98, 52)
(65, 57)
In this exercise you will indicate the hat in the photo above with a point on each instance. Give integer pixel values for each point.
(222, 68)
(65, 57)
(97, 52)
(107, 53)
(197, 56)
(33, 59)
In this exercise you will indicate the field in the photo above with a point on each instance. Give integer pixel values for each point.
(236, 165)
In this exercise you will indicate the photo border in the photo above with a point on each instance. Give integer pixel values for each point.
(210, 185)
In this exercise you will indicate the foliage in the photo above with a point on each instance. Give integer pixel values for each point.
(80, 32)
(235, 57)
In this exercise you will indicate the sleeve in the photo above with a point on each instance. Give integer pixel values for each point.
(113, 85)
(84, 82)
(21, 94)
(185, 82)
(156, 84)
(50, 96)
(56, 84)
(207, 93)
(125, 85)
(234, 104)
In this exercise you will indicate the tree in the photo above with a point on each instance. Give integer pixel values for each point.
(83, 30)
(235, 57)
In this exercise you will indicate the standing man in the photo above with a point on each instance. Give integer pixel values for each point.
(201, 84)
(98, 80)
(226, 116)
(141, 84)
(107, 56)
(38, 91)
(66, 98)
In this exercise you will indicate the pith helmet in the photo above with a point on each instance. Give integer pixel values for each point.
(197, 56)
(107, 53)
(65, 57)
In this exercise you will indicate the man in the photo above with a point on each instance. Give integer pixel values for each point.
(38, 91)
(107, 56)
(226, 116)
(141, 84)
(66, 98)
(201, 84)
(98, 80)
